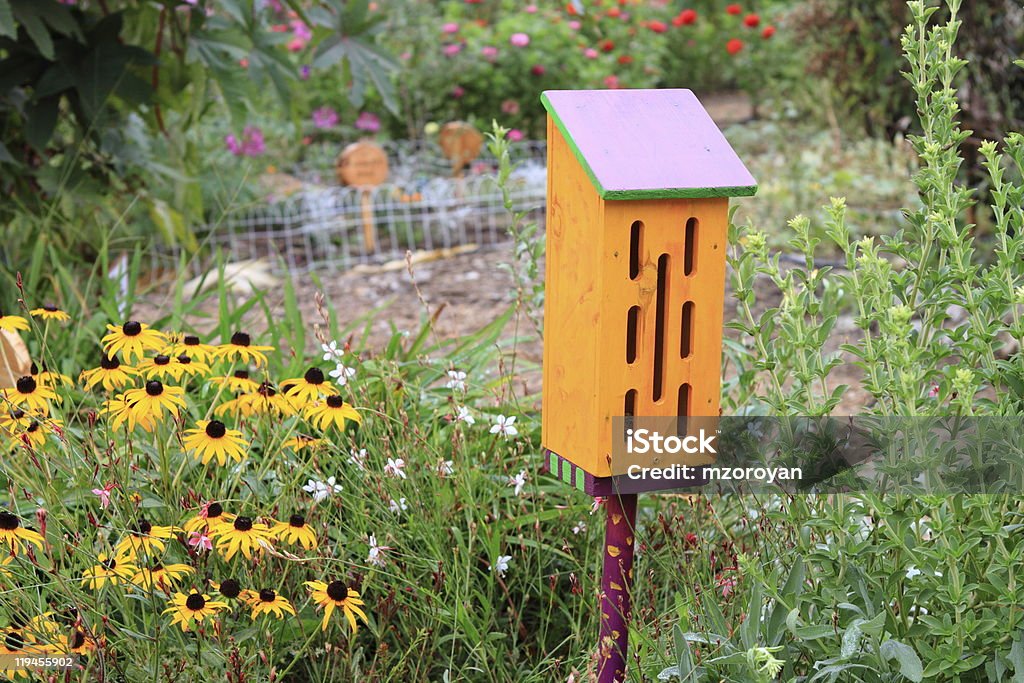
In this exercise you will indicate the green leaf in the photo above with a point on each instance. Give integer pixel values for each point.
(1016, 658)
(41, 119)
(910, 663)
(35, 29)
(7, 27)
(851, 639)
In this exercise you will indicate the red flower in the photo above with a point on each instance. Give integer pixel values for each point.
(735, 10)
(657, 26)
(571, 9)
(687, 16)
(537, 70)
(625, 59)
(607, 46)
(614, 12)
(734, 46)
(768, 32)
(752, 20)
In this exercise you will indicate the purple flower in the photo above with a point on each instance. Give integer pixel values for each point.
(519, 40)
(575, 25)
(325, 117)
(515, 135)
(452, 49)
(251, 144)
(458, 91)
(368, 122)
(450, 27)
(300, 30)
(304, 72)
(489, 52)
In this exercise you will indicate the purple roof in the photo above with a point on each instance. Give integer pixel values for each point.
(648, 144)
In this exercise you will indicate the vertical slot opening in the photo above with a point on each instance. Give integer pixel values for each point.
(659, 328)
(690, 249)
(635, 233)
(682, 409)
(686, 333)
(632, 333)
(629, 405)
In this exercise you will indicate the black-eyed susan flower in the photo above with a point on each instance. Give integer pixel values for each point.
(242, 534)
(119, 409)
(310, 387)
(302, 441)
(35, 433)
(79, 642)
(213, 439)
(31, 394)
(232, 590)
(295, 531)
(12, 323)
(270, 602)
(265, 401)
(191, 346)
(152, 400)
(239, 382)
(50, 312)
(211, 515)
(241, 348)
(190, 367)
(336, 595)
(112, 570)
(158, 367)
(14, 643)
(132, 340)
(331, 411)
(145, 538)
(188, 610)
(110, 374)
(13, 535)
(47, 377)
(16, 420)
(6, 561)
(160, 575)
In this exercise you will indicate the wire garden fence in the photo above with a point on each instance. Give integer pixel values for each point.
(317, 224)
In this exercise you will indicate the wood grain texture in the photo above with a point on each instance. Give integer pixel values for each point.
(648, 144)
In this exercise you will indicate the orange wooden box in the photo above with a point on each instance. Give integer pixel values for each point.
(638, 199)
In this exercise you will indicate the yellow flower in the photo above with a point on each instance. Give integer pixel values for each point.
(112, 570)
(132, 339)
(191, 346)
(36, 432)
(4, 561)
(49, 378)
(79, 643)
(160, 575)
(295, 531)
(14, 642)
(13, 535)
(231, 590)
(120, 410)
(332, 411)
(242, 534)
(301, 441)
(28, 392)
(213, 440)
(18, 420)
(210, 516)
(240, 348)
(239, 382)
(50, 312)
(153, 400)
(335, 595)
(269, 602)
(12, 323)
(266, 401)
(310, 387)
(145, 538)
(110, 374)
(192, 608)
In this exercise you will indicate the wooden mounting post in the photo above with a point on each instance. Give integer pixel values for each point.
(616, 587)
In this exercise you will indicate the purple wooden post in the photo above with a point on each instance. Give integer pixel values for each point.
(616, 584)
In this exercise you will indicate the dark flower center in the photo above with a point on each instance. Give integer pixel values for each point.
(243, 524)
(33, 369)
(26, 385)
(267, 390)
(158, 567)
(191, 340)
(154, 388)
(215, 429)
(184, 360)
(34, 427)
(162, 360)
(314, 376)
(297, 521)
(241, 374)
(230, 588)
(109, 564)
(195, 602)
(9, 522)
(14, 641)
(214, 510)
(335, 401)
(240, 339)
(108, 363)
(77, 639)
(337, 591)
(145, 527)
(267, 595)
(132, 328)
(17, 413)
(50, 308)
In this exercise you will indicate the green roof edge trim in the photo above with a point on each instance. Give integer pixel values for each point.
(667, 193)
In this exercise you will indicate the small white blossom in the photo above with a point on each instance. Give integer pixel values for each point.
(357, 458)
(500, 565)
(342, 374)
(321, 489)
(376, 554)
(519, 481)
(395, 468)
(465, 416)
(580, 527)
(913, 571)
(446, 468)
(456, 380)
(332, 352)
(398, 506)
(505, 426)
(596, 505)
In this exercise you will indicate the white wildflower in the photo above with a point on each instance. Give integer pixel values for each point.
(505, 426)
